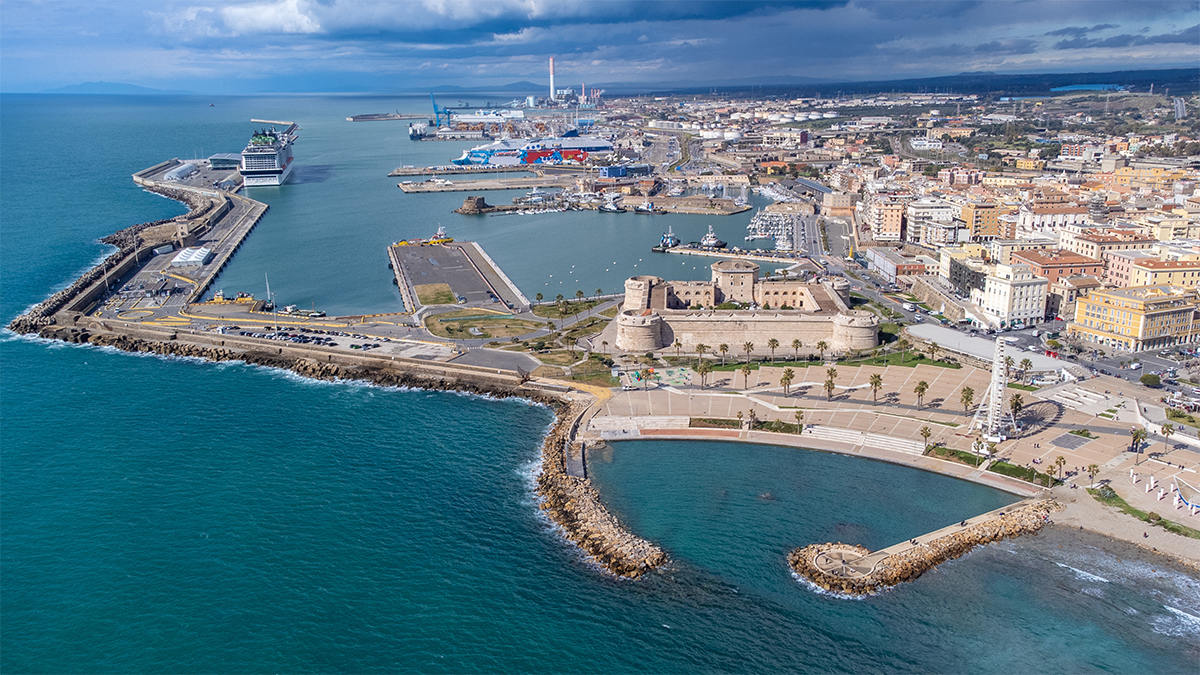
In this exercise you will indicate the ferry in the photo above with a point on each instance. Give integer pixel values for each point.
(267, 159)
(710, 240)
(669, 240)
(568, 148)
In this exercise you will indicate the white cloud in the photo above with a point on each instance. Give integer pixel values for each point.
(282, 16)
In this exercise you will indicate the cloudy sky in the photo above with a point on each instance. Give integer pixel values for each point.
(244, 46)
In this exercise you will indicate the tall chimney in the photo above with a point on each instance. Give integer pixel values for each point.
(552, 97)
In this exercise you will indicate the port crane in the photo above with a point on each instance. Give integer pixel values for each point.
(438, 113)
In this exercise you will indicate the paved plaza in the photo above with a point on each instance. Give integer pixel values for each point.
(891, 427)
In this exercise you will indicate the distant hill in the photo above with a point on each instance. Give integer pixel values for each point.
(112, 88)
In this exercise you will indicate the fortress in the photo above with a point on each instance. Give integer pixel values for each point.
(656, 313)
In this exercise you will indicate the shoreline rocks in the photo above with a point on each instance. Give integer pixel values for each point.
(915, 561)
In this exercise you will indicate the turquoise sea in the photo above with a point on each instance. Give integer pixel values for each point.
(170, 515)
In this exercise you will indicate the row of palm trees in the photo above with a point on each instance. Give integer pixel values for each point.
(748, 347)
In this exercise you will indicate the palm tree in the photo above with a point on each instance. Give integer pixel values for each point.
(578, 295)
(746, 376)
(821, 347)
(829, 389)
(539, 297)
(933, 350)
(1168, 430)
(1092, 470)
(739, 416)
(977, 447)
(599, 292)
(703, 369)
(678, 345)
(796, 345)
(700, 349)
(773, 344)
(832, 373)
(559, 298)
(876, 383)
(926, 432)
(799, 414)
(786, 379)
(747, 347)
(645, 373)
(604, 346)
(1026, 366)
(1139, 437)
(967, 398)
(724, 349)
(920, 390)
(753, 419)
(1016, 403)
(1060, 462)
(1008, 365)
(903, 344)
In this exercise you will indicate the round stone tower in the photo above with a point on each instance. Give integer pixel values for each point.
(639, 330)
(842, 288)
(856, 329)
(637, 291)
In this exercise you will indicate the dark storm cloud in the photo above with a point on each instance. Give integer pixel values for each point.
(1080, 31)
(1190, 35)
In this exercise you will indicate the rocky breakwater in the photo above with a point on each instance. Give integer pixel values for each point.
(383, 376)
(851, 570)
(573, 504)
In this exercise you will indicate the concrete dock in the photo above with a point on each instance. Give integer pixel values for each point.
(522, 183)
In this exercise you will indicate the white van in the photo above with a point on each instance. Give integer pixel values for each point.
(909, 306)
(1135, 366)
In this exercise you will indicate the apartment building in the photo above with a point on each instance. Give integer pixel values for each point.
(1137, 318)
(1054, 264)
(1012, 294)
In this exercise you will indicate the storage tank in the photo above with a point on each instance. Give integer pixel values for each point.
(733, 135)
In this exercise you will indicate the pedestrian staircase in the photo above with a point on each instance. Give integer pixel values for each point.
(862, 438)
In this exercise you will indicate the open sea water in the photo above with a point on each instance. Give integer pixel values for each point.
(172, 515)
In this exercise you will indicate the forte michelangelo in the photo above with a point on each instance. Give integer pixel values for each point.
(658, 313)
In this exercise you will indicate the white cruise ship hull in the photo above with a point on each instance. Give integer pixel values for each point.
(276, 178)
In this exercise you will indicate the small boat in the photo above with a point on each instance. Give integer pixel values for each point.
(611, 206)
(710, 240)
(645, 208)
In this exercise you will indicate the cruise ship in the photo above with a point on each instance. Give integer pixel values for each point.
(267, 159)
(569, 148)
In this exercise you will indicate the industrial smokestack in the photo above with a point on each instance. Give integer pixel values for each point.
(552, 97)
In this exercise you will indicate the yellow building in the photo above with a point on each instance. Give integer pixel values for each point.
(1155, 177)
(1028, 164)
(982, 219)
(1137, 318)
(1184, 273)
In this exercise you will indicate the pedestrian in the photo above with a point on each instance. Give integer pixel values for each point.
(1145, 535)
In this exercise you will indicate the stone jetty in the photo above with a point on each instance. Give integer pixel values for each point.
(855, 570)
(572, 503)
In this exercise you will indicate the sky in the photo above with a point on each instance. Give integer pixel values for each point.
(255, 46)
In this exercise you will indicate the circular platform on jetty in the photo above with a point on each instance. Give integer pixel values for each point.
(843, 563)
(135, 314)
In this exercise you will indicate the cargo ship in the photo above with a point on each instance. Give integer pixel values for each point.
(267, 159)
(568, 148)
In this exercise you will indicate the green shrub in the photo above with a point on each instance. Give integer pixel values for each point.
(1151, 380)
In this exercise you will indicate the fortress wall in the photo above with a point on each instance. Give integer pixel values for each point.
(735, 330)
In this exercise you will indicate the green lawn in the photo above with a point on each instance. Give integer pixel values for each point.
(1023, 472)
(573, 307)
(1022, 387)
(434, 294)
(910, 359)
(956, 456)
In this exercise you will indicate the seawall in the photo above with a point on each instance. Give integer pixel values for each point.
(855, 570)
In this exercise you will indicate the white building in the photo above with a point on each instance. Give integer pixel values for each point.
(1012, 294)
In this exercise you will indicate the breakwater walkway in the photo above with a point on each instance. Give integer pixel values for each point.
(855, 570)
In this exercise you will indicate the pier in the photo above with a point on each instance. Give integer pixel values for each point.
(854, 570)
(522, 183)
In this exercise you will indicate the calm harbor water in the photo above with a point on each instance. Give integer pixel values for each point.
(174, 515)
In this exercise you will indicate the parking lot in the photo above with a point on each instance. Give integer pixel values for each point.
(444, 265)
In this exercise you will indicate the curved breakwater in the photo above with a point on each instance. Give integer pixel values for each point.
(574, 505)
(855, 570)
